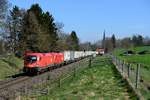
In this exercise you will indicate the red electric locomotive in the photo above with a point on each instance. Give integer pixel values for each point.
(37, 62)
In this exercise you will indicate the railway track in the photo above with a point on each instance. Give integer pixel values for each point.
(13, 78)
(6, 84)
(11, 82)
(9, 87)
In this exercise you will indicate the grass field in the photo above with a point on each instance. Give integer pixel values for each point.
(144, 60)
(100, 82)
(9, 66)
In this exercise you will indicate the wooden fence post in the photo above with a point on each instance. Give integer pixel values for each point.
(137, 75)
(74, 71)
(25, 90)
(122, 66)
(119, 64)
(90, 62)
(128, 69)
(48, 89)
(48, 78)
(116, 61)
(59, 82)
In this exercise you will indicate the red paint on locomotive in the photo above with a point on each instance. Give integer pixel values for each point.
(38, 61)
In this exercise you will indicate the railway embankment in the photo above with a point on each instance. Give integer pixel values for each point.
(9, 65)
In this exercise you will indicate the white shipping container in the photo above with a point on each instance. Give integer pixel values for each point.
(68, 55)
(76, 54)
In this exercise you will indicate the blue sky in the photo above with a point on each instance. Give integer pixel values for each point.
(89, 18)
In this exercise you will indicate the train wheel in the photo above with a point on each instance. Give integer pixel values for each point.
(38, 73)
(49, 68)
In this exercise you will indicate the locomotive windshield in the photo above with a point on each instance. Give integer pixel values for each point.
(31, 59)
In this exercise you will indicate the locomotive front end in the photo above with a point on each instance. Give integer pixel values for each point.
(31, 64)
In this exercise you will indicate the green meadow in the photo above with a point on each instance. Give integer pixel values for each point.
(135, 58)
(99, 82)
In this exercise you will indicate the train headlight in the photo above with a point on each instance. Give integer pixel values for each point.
(38, 58)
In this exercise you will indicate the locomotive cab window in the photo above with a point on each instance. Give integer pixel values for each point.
(31, 59)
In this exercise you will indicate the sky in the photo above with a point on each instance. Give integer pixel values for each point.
(89, 18)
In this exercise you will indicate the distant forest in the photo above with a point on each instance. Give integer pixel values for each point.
(35, 30)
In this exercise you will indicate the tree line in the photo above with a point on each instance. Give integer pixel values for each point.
(32, 30)
(112, 43)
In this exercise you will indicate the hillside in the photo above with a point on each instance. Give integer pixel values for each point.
(9, 65)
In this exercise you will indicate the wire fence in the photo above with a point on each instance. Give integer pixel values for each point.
(137, 76)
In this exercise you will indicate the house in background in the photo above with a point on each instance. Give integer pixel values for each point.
(100, 51)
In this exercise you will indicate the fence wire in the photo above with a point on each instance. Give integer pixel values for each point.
(137, 74)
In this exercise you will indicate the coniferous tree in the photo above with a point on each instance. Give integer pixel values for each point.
(140, 40)
(134, 40)
(39, 30)
(31, 29)
(50, 31)
(73, 41)
(137, 40)
(113, 39)
(103, 41)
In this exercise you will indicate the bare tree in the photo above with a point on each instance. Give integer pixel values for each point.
(146, 41)
(3, 13)
(85, 46)
(108, 45)
(3, 9)
(126, 42)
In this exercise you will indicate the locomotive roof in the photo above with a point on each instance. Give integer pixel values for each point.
(42, 54)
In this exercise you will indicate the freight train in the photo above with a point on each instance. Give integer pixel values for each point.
(39, 62)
